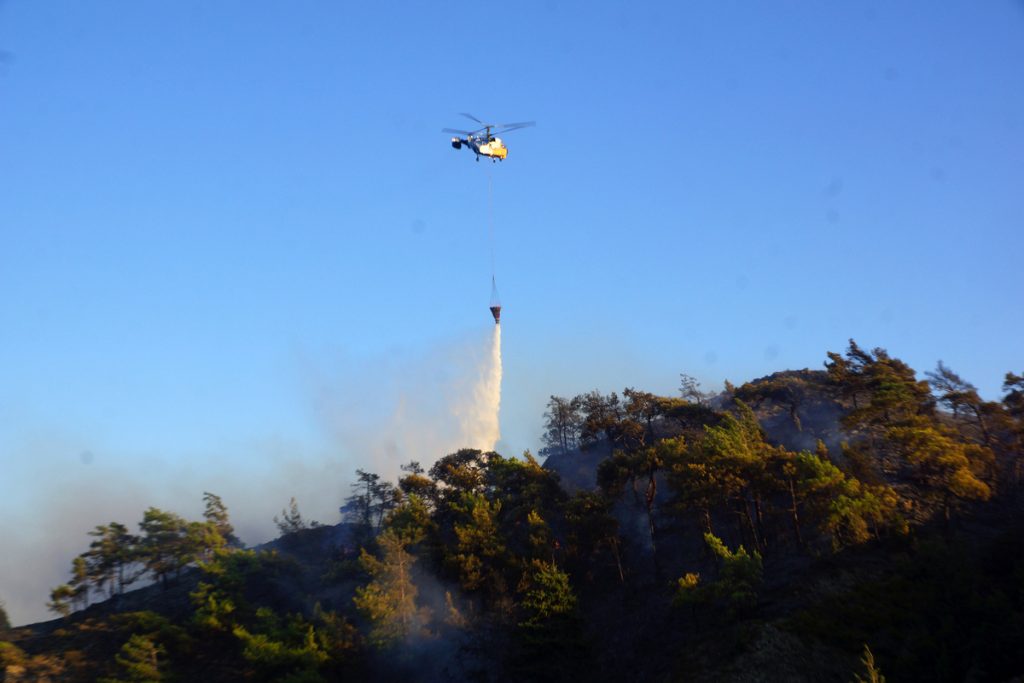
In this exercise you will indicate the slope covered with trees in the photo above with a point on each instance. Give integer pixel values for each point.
(809, 525)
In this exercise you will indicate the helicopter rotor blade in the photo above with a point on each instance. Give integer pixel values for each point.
(514, 126)
(455, 130)
(521, 124)
(470, 116)
(479, 130)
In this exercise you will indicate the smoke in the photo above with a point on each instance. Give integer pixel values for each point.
(65, 485)
(368, 413)
(479, 418)
(420, 407)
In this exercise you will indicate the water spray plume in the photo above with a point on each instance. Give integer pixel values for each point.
(479, 421)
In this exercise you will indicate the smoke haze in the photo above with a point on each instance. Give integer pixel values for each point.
(370, 413)
(384, 412)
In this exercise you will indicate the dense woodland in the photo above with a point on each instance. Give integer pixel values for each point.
(840, 524)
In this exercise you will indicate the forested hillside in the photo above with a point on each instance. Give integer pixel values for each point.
(836, 524)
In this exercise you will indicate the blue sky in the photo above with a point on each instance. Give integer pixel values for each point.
(216, 217)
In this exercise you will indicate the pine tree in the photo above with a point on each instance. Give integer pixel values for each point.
(389, 599)
(730, 464)
(413, 482)
(216, 513)
(872, 673)
(547, 594)
(60, 600)
(479, 549)
(592, 527)
(548, 644)
(601, 417)
(562, 423)
(291, 520)
(164, 548)
(643, 467)
(80, 582)
(112, 558)
(739, 579)
(848, 510)
(950, 469)
(139, 661)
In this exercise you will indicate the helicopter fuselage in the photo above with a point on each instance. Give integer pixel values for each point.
(491, 147)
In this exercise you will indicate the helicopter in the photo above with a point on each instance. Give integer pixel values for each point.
(483, 141)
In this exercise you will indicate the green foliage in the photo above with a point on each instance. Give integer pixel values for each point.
(369, 504)
(216, 513)
(895, 413)
(689, 589)
(614, 473)
(548, 644)
(600, 418)
(539, 533)
(858, 511)
(239, 605)
(388, 601)
(517, 566)
(641, 466)
(139, 661)
(460, 472)
(786, 390)
(562, 424)
(163, 546)
(728, 465)
(871, 671)
(948, 469)
(290, 648)
(5, 622)
(547, 594)
(813, 478)
(158, 628)
(287, 647)
(882, 389)
(11, 655)
(111, 556)
(528, 495)
(734, 452)
(974, 417)
(291, 521)
(1013, 385)
(739, 578)
(411, 520)
(413, 482)
(220, 600)
(740, 572)
(591, 529)
(108, 566)
(170, 543)
(689, 389)
(60, 600)
(848, 510)
(479, 549)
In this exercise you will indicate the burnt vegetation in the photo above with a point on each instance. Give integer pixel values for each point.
(836, 524)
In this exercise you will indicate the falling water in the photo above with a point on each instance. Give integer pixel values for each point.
(479, 420)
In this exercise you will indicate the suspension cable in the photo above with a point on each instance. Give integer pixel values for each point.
(490, 219)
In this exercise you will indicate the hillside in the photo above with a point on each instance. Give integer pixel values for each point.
(805, 526)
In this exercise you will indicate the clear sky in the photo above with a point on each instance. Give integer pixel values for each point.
(234, 241)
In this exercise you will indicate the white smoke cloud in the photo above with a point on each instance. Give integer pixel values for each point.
(383, 413)
(371, 413)
(62, 490)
